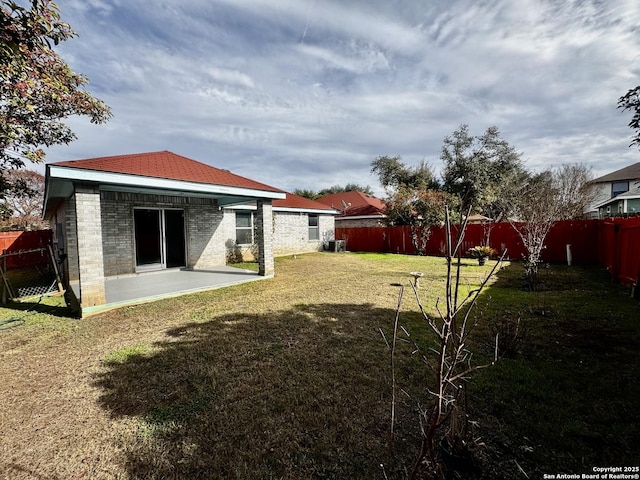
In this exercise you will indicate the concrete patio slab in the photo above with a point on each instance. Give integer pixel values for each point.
(150, 286)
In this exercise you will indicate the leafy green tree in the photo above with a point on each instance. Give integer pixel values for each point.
(349, 187)
(21, 205)
(413, 197)
(480, 169)
(393, 174)
(310, 194)
(631, 101)
(37, 88)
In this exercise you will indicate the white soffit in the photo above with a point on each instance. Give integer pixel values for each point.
(139, 181)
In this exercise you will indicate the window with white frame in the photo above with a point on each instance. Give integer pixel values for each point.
(314, 230)
(244, 228)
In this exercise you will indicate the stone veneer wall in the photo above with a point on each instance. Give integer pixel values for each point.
(205, 240)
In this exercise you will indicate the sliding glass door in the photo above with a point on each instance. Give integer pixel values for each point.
(159, 238)
(174, 238)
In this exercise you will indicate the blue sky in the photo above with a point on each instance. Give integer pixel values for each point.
(305, 94)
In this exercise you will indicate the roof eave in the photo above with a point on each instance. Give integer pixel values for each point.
(144, 182)
(361, 217)
(287, 209)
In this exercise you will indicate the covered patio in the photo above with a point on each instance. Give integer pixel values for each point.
(119, 218)
(150, 286)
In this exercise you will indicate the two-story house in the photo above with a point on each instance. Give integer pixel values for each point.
(616, 194)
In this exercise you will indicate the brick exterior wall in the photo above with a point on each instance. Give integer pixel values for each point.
(290, 234)
(264, 232)
(346, 222)
(68, 220)
(205, 241)
(65, 238)
(89, 240)
(98, 234)
(205, 237)
(327, 227)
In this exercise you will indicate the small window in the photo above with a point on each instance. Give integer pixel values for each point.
(619, 187)
(244, 228)
(314, 231)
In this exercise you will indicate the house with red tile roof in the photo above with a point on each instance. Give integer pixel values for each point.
(357, 209)
(148, 212)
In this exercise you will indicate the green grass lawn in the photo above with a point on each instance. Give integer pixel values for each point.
(289, 378)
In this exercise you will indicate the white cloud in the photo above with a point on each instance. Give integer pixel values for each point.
(232, 77)
(359, 59)
(306, 94)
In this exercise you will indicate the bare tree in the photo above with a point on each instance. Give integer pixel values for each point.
(543, 200)
(22, 202)
(443, 422)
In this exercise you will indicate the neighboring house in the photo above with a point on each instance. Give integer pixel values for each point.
(299, 225)
(130, 214)
(624, 204)
(357, 209)
(610, 186)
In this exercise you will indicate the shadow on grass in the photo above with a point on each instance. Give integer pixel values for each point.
(568, 400)
(55, 306)
(303, 393)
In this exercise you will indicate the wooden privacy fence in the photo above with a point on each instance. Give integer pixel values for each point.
(16, 242)
(611, 243)
(619, 248)
(27, 266)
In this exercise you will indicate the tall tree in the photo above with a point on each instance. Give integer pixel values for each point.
(310, 194)
(631, 101)
(412, 198)
(479, 170)
(37, 88)
(393, 173)
(349, 187)
(21, 205)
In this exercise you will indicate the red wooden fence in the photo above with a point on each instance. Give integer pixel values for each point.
(619, 248)
(13, 242)
(612, 243)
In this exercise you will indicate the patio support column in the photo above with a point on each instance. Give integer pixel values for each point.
(89, 246)
(264, 230)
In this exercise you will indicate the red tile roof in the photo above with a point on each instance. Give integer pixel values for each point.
(357, 204)
(167, 165)
(296, 201)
